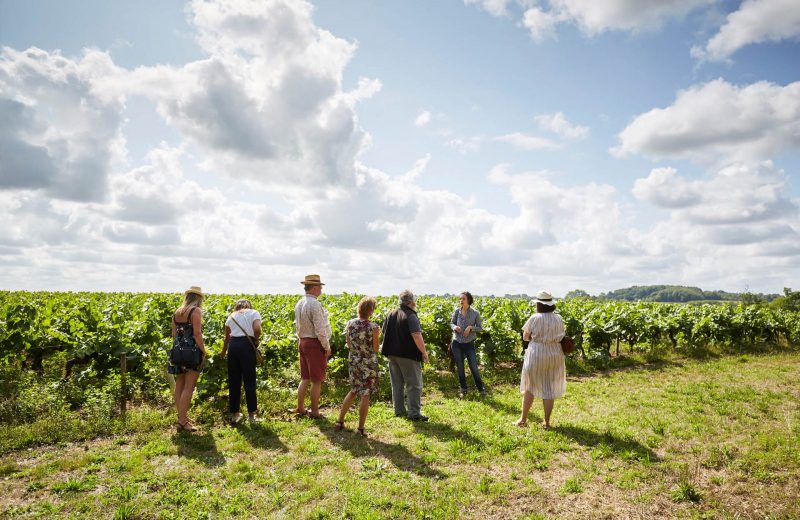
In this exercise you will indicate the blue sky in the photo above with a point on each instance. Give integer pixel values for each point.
(501, 146)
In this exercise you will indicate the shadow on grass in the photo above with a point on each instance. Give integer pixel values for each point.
(198, 446)
(501, 406)
(445, 433)
(625, 447)
(396, 453)
(261, 435)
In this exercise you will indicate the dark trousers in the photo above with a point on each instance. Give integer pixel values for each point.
(241, 366)
(467, 350)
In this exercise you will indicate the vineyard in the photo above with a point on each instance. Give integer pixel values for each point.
(682, 431)
(90, 332)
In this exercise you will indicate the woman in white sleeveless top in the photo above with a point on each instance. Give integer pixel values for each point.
(543, 372)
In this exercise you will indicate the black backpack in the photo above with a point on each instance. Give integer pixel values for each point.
(185, 352)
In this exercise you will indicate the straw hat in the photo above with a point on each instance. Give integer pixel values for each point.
(312, 279)
(545, 298)
(194, 290)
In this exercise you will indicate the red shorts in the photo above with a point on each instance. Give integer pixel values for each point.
(313, 360)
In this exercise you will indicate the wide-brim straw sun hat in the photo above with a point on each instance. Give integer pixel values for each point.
(312, 279)
(194, 290)
(545, 298)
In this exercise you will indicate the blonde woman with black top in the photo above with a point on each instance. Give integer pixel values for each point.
(189, 317)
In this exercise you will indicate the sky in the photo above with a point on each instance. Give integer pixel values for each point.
(495, 146)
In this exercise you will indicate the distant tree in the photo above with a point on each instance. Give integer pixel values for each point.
(748, 298)
(789, 301)
(577, 293)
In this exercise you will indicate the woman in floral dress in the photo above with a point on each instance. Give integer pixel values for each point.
(362, 337)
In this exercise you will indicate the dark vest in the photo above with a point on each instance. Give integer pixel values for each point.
(397, 340)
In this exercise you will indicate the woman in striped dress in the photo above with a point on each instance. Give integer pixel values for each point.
(543, 371)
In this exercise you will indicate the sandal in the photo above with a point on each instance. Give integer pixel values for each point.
(315, 415)
(188, 426)
(521, 424)
(339, 426)
(361, 432)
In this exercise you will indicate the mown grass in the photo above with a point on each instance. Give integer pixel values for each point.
(681, 438)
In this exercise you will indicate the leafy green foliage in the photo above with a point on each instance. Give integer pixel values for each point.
(85, 334)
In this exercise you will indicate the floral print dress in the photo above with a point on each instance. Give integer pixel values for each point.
(362, 362)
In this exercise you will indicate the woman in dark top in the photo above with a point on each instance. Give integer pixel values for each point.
(189, 317)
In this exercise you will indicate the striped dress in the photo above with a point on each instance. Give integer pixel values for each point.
(543, 371)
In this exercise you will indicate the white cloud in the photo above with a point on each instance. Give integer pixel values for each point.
(540, 24)
(718, 122)
(755, 21)
(665, 189)
(268, 103)
(594, 17)
(558, 123)
(632, 15)
(423, 118)
(738, 204)
(527, 142)
(465, 145)
(494, 7)
(59, 134)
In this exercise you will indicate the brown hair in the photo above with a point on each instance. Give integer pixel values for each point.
(468, 294)
(366, 307)
(242, 304)
(540, 307)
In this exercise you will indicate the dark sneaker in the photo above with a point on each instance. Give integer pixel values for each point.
(422, 418)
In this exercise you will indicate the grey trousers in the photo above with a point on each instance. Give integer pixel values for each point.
(406, 375)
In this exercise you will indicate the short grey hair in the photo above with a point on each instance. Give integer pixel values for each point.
(407, 298)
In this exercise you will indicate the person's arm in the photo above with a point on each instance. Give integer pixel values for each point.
(478, 327)
(321, 327)
(454, 322)
(197, 326)
(226, 341)
(347, 335)
(376, 336)
(417, 336)
(526, 330)
(257, 331)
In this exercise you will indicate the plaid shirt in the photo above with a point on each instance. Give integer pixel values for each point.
(471, 319)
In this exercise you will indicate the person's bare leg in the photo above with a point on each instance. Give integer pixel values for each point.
(527, 401)
(190, 381)
(548, 409)
(180, 380)
(346, 404)
(363, 410)
(316, 390)
(301, 395)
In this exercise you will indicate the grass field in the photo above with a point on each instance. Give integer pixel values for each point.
(718, 438)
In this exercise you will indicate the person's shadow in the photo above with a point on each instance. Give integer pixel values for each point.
(445, 433)
(261, 435)
(626, 447)
(198, 446)
(361, 447)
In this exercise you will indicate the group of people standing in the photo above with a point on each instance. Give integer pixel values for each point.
(543, 372)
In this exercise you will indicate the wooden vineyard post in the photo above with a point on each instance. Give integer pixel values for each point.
(123, 368)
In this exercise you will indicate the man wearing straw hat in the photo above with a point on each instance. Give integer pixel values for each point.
(313, 333)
